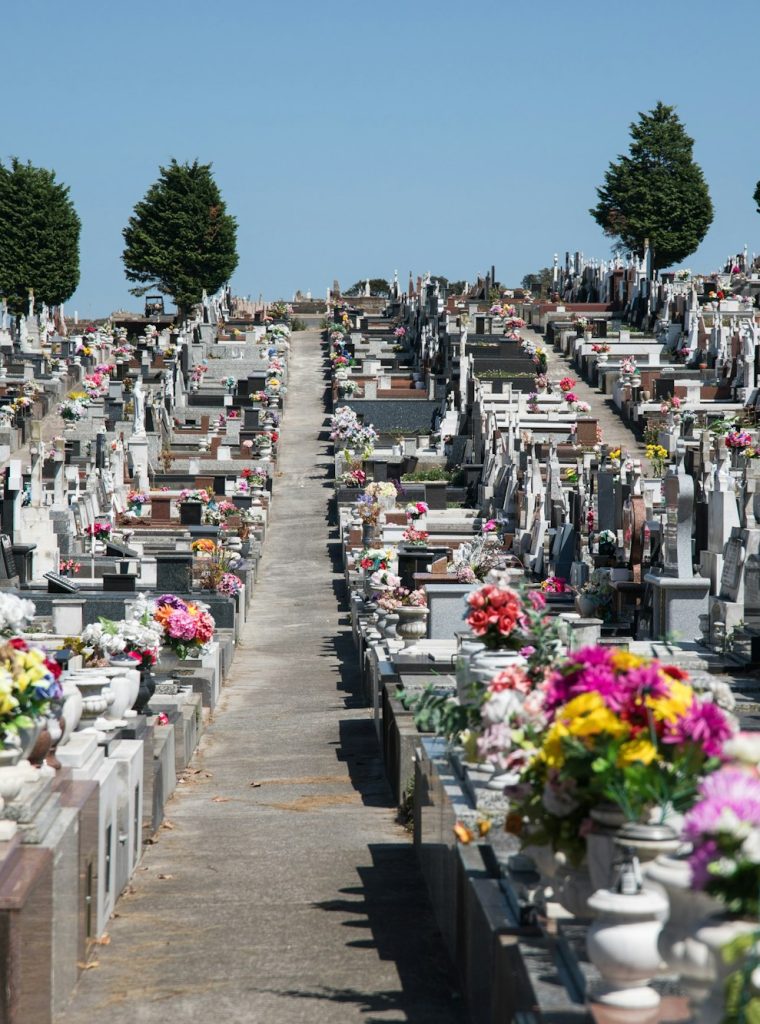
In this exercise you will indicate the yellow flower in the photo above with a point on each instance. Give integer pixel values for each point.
(581, 705)
(623, 661)
(670, 709)
(588, 715)
(601, 721)
(615, 454)
(551, 751)
(636, 750)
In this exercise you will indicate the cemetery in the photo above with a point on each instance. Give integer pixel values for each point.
(543, 603)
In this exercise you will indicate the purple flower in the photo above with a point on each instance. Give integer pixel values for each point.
(704, 724)
(729, 789)
(648, 680)
(698, 862)
(172, 601)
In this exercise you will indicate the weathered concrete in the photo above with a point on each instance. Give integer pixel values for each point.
(283, 890)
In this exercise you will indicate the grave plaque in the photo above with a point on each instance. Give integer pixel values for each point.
(77, 512)
(733, 565)
(58, 584)
(8, 556)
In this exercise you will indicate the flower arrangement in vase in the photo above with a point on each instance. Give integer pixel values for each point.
(187, 626)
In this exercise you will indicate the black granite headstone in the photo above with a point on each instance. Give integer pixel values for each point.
(174, 573)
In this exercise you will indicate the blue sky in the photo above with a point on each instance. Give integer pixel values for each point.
(351, 139)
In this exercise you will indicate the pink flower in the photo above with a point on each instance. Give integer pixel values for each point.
(489, 526)
(180, 626)
(704, 724)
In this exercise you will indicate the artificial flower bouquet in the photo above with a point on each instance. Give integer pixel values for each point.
(416, 510)
(372, 559)
(620, 729)
(415, 538)
(187, 626)
(195, 494)
(137, 638)
(98, 530)
(136, 499)
(74, 408)
(29, 685)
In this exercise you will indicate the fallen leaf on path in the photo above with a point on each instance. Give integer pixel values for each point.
(165, 877)
(88, 967)
(256, 785)
(104, 940)
(221, 799)
(168, 825)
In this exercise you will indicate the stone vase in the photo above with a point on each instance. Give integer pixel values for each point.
(622, 944)
(124, 685)
(680, 948)
(391, 624)
(71, 711)
(572, 886)
(145, 691)
(412, 624)
(585, 606)
(96, 695)
(715, 934)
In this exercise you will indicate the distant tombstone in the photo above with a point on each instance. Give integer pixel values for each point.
(679, 510)
(77, 512)
(9, 559)
(733, 566)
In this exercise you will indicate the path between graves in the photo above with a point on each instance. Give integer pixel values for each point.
(281, 888)
(615, 431)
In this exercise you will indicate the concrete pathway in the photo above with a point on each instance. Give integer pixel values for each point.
(281, 889)
(615, 431)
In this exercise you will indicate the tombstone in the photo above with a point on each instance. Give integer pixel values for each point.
(679, 597)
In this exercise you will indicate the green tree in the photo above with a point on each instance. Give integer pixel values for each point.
(539, 283)
(377, 286)
(656, 192)
(180, 238)
(39, 237)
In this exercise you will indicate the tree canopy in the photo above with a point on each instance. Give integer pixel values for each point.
(39, 237)
(180, 238)
(657, 191)
(539, 283)
(377, 286)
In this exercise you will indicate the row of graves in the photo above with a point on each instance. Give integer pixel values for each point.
(557, 638)
(132, 533)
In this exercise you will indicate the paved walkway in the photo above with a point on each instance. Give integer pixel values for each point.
(615, 431)
(282, 890)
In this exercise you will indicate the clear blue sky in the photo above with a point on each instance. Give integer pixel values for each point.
(351, 139)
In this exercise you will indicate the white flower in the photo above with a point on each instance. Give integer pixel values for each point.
(751, 847)
(732, 825)
(500, 706)
(744, 747)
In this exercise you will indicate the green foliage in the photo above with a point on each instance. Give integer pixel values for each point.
(540, 283)
(434, 473)
(377, 286)
(180, 238)
(297, 324)
(39, 237)
(457, 287)
(656, 192)
(438, 712)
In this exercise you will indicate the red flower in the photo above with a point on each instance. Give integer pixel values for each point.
(18, 644)
(478, 622)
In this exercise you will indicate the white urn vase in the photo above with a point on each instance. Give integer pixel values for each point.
(622, 944)
(680, 948)
(412, 624)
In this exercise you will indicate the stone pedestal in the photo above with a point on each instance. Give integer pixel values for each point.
(677, 605)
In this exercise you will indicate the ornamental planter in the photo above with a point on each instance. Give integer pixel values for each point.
(715, 934)
(412, 625)
(684, 954)
(622, 944)
(191, 513)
